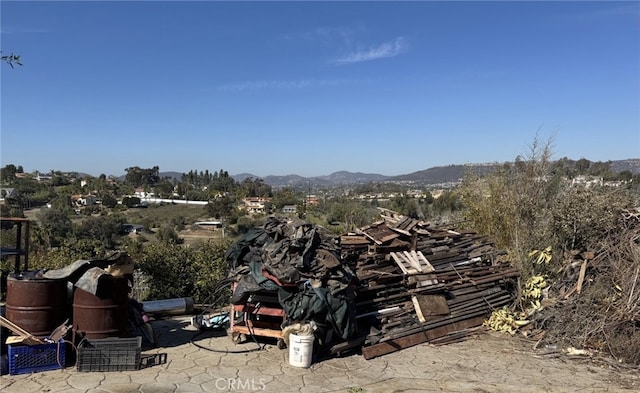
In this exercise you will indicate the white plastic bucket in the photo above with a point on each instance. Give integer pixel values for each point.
(300, 350)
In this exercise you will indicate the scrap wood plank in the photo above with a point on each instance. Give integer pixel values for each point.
(383, 348)
(351, 240)
(422, 280)
(23, 337)
(423, 261)
(422, 231)
(411, 257)
(380, 234)
(405, 225)
(578, 287)
(428, 306)
(345, 346)
(583, 270)
(437, 322)
(456, 337)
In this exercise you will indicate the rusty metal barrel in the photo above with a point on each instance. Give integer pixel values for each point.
(104, 314)
(38, 305)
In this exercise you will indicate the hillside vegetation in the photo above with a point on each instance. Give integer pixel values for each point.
(579, 245)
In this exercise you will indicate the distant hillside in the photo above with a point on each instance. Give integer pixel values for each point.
(171, 175)
(242, 176)
(289, 181)
(632, 165)
(434, 175)
(444, 174)
(297, 181)
(350, 177)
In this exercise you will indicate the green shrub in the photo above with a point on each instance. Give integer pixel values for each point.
(167, 234)
(513, 205)
(582, 216)
(181, 271)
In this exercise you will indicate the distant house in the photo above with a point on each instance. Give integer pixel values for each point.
(210, 225)
(43, 178)
(87, 200)
(142, 194)
(132, 228)
(289, 209)
(83, 200)
(312, 200)
(256, 205)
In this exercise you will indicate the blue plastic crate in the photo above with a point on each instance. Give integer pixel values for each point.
(25, 359)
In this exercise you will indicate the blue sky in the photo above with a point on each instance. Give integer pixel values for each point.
(310, 88)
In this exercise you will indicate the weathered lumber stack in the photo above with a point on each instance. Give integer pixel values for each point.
(417, 283)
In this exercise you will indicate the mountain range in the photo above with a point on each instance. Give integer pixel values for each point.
(431, 176)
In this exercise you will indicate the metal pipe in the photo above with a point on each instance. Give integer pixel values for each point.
(178, 306)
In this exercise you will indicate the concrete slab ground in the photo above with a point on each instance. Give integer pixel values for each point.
(490, 362)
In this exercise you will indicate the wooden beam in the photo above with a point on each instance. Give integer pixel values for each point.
(397, 344)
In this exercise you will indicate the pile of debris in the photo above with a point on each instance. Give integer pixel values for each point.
(390, 285)
(298, 264)
(418, 283)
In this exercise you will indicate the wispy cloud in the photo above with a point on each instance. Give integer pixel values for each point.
(285, 84)
(385, 50)
(352, 43)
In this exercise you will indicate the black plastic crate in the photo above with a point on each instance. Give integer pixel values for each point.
(109, 354)
(25, 359)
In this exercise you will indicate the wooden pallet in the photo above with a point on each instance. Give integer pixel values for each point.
(412, 262)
